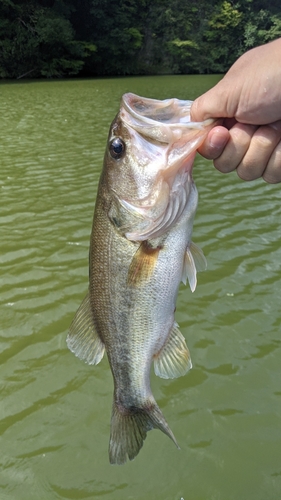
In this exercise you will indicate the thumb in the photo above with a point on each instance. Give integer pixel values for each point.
(212, 104)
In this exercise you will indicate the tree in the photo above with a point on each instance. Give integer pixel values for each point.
(104, 37)
(117, 34)
(37, 41)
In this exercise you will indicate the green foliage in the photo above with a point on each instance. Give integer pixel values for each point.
(182, 51)
(261, 28)
(37, 41)
(222, 37)
(54, 38)
(117, 34)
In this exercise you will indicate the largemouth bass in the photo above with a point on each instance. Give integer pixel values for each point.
(140, 251)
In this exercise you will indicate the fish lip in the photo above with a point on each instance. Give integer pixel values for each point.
(137, 115)
(168, 123)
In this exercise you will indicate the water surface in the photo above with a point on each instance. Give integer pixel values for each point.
(55, 410)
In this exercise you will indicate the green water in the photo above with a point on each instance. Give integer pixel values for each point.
(55, 410)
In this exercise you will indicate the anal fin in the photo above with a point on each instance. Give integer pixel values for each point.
(174, 358)
(82, 338)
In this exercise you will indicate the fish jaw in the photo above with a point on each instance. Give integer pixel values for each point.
(168, 123)
(164, 121)
(161, 144)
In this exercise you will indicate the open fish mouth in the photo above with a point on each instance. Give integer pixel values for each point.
(165, 121)
(164, 132)
(168, 123)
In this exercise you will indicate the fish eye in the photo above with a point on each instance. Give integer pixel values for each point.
(117, 148)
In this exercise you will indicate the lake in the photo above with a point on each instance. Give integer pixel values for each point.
(55, 410)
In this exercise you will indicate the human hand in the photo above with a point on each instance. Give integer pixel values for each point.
(248, 101)
(253, 151)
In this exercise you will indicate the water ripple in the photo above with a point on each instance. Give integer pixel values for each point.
(55, 410)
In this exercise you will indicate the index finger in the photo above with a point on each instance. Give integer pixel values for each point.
(214, 143)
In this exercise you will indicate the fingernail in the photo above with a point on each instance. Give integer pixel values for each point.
(275, 125)
(218, 139)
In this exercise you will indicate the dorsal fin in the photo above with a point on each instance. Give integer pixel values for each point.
(82, 338)
(174, 358)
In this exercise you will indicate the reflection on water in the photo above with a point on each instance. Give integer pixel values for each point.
(55, 410)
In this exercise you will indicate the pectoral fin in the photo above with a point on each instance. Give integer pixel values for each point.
(82, 338)
(174, 358)
(194, 260)
(143, 264)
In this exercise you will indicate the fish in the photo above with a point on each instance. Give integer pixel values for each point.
(140, 251)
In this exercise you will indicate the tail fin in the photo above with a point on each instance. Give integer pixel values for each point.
(129, 428)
